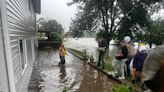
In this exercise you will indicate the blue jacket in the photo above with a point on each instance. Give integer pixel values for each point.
(139, 59)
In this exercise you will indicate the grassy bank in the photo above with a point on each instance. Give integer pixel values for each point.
(80, 54)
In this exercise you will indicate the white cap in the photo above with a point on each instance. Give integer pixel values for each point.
(142, 48)
(127, 39)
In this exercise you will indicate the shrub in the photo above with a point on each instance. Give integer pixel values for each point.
(55, 37)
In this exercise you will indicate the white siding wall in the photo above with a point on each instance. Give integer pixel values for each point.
(0, 48)
(21, 25)
(4, 87)
(0, 44)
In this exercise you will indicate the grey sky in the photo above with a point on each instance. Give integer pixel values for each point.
(58, 10)
(159, 14)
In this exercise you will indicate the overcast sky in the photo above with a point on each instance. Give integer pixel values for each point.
(58, 10)
(160, 14)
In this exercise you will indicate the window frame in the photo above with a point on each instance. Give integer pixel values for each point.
(24, 55)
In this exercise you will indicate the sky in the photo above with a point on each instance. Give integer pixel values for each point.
(58, 10)
(159, 14)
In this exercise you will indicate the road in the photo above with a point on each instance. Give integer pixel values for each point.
(76, 75)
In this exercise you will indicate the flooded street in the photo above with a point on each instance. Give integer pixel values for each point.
(76, 75)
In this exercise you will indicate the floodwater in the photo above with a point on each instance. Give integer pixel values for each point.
(90, 45)
(76, 75)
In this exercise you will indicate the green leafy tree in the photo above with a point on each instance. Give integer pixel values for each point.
(117, 18)
(155, 33)
(50, 25)
(52, 28)
(55, 37)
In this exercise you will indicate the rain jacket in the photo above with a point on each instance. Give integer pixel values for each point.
(62, 51)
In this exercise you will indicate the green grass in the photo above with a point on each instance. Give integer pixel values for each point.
(65, 89)
(122, 88)
(80, 53)
(108, 67)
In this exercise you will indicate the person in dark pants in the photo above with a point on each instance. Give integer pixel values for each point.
(102, 50)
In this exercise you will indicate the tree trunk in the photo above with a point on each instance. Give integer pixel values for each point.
(150, 44)
(107, 42)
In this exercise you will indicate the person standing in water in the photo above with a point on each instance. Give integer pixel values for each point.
(62, 54)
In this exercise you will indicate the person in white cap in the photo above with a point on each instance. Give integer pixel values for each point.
(131, 54)
(138, 62)
(127, 39)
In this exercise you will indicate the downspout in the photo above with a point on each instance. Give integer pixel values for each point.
(7, 47)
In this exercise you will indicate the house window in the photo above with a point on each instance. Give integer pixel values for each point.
(22, 53)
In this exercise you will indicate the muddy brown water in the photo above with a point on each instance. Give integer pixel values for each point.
(76, 75)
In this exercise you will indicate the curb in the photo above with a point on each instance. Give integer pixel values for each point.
(110, 76)
(76, 55)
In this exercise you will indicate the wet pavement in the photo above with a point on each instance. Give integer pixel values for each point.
(76, 75)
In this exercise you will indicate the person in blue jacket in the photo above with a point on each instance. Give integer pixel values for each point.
(138, 63)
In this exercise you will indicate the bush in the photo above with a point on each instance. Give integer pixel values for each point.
(55, 37)
(122, 88)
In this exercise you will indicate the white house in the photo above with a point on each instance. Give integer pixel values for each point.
(17, 43)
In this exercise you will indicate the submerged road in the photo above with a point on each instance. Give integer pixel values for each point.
(76, 75)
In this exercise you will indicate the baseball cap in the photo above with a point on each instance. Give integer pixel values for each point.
(127, 39)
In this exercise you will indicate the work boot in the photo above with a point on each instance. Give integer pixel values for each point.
(121, 77)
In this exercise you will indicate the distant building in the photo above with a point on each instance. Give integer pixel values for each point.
(17, 43)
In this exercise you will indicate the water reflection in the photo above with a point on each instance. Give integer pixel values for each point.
(62, 73)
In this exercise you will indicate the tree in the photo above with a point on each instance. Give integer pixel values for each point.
(50, 25)
(156, 33)
(53, 30)
(113, 17)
